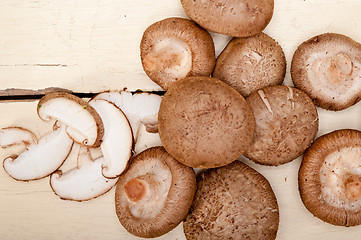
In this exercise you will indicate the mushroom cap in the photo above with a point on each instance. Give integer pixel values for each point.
(83, 123)
(205, 123)
(154, 195)
(330, 178)
(232, 202)
(175, 48)
(328, 68)
(249, 64)
(237, 18)
(286, 124)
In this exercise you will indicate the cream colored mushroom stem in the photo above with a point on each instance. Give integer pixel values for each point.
(84, 182)
(41, 159)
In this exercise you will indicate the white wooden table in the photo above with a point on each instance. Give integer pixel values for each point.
(88, 46)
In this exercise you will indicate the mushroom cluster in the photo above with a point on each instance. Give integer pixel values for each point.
(101, 123)
(214, 111)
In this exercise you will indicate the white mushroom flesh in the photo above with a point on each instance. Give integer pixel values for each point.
(117, 140)
(41, 159)
(171, 56)
(337, 73)
(341, 178)
(84, 182)
(136, 107)
(81, 125)
(15, 135)
(148, 191)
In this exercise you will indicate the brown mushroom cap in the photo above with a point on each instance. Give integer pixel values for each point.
(330, 178)
(328, 68)
(249, 64)
(154, 195)
(237, 18)
(175, 48)
(286, 124)
(232, 202)
(204, 123)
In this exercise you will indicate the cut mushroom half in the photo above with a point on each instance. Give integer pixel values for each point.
(175, 48)
(84, 125)
(16, 135)
(41, 159)
(117, 140)
(154, 195)
(84, 182)
(139, 108)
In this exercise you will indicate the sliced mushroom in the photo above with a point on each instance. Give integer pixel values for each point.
(83, 123)
(232, 202)
(175, 48)
(330, 178)
(328, 68)
(139, 108)
(40, 159)
(250, 64)
(154, 195)
(16, 135)
(205, 123)
(286, 124)
(237, 18)
(117, 140)
(84, 182)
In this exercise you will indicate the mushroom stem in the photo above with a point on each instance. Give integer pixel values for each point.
(353, 187)
(142, 186)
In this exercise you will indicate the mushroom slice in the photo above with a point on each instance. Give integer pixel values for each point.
(237, 18)
(16, 135)
(41, 159)
(154, 195)
(330, 178)
(250, 64)
(232, 202)
(117, 140)
(84, 182)
(328, 68)
(83, 123)
(175, 48)
(138, 108)
(205, 123)
(286, 124)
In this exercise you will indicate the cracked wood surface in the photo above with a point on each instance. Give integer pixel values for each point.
(88, 46)
(93, 45)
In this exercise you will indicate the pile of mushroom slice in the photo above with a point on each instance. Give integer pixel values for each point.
(81, 127)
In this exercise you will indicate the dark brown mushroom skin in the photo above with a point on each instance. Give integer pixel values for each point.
(252, 63)
(198, 40)
(286, 124)
(310, 183)
(176, 206)
(205, 123)
(237, 18)
(232, 202)
(341, 65)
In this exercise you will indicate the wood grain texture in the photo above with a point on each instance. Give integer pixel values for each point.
(30, 210)
(93, 45)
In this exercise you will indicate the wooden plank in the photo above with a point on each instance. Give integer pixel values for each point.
(30, 210)
(93, 45)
